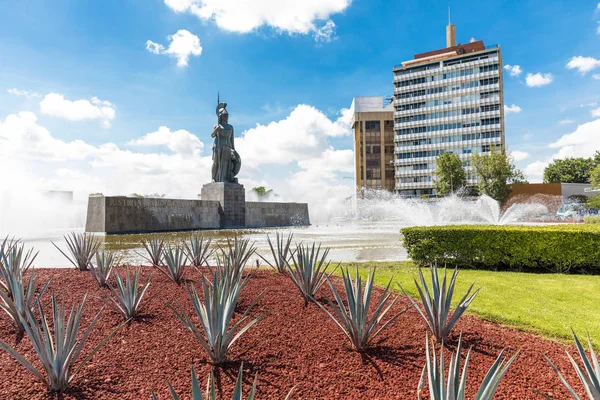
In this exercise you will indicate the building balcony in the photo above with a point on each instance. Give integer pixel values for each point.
(443, 120)
(447, 95)
(447, 107)
(448, 145)
(448, 132)
(448, 82)
(431, 72)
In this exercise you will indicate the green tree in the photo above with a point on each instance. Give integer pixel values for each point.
(450, 173)
(494, 171)
(594, 202)
(262, 191)
(595, 177)
(570, 170)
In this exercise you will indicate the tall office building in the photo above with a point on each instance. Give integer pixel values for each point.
(447, 100)
(373, 126)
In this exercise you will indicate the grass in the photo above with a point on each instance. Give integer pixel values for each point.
(545, 304)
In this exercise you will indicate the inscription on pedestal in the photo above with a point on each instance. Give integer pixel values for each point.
(232, 197)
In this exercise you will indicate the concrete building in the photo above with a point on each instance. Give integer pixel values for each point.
(373, 126)
(446, 100)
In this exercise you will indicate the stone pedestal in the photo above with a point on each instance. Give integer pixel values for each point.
(232, 198)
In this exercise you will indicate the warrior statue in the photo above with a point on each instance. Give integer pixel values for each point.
(226, 161)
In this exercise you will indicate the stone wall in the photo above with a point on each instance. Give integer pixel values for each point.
(266, 214)
(132, 215)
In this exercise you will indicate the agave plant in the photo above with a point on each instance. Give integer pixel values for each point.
(198, 250)
(453, 387)
(437, 300)
(237, 254)
(211, 392)
(128, 294)
(217, 333)
(173, 265)
(82, 248)
(155, 247)
(354, 320)
(57, 348)
(105, 263)
(14, 262)
(590, 379)
(22, 298)
(283, 253)
(309, 272)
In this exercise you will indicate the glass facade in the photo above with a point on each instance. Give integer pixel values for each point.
(452, 105)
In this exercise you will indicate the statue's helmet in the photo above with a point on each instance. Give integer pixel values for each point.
(222, 109)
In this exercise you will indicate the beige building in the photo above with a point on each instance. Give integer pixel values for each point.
(373, 127)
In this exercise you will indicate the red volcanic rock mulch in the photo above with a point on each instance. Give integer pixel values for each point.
(292, 346)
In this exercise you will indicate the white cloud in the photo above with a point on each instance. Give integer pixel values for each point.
(565, 121)
(583, 64)
(538, 79)
(182, 45)
(513, 70)
(512, 109)
(519, 155)
(79, 110)
(181, 141)
(326, 33)
(535, 171)
(596, 77)
(288, 16)
(596, 112)
(23, 93)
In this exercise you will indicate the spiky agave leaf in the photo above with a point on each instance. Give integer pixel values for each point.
(57, 349)
(211, 392)
(14, 262)
(216, 333)
(437, 302)
(354, 320)
(309, 271)
(173, 265)
(154, 247)
(590, 378)
(237, 254)
(81, 247)
(105, 263)
(283, 253)
(454, 385)
(198, 250)
(22, 298)
(128, 294)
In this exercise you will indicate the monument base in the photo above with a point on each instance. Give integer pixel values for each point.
(232, 198)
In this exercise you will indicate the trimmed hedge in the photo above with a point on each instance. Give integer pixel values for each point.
(555, 248)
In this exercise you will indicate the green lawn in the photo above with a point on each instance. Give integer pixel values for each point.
(547, 304)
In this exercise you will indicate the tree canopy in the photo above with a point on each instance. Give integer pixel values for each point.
(494, 171)
(261, 191)
(450, 174)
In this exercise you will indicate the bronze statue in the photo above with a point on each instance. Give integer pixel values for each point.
(226, 161)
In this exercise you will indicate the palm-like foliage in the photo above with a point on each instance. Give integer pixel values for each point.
(437, 301)
(217, 333)
(14, 262)
(105, 263)
(128, 294)
(354, 320)
(58, 348)
(590, 378)
(198, 250)
(22, 298)
(173, 265)
(154, 247)
(82, 247)
(283, 253)
(309, 271)
(211, 392)
(453, 386)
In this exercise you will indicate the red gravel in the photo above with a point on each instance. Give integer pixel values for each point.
(292, 346)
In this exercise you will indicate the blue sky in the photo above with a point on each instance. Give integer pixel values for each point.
(265, 61)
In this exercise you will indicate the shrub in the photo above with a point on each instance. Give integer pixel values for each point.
(198, 250)
(173, 265)
(590, 379)
(555, 248)
(354, 320)
(127, 294)
(58, 348)
(592, 219)
(454, 386)
(154, 247)
(283, 253)
(105, 263)
(437, 300)
(82, 248)
(309, 272)
(216, 315)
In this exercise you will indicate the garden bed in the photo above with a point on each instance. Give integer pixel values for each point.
(292, 346)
